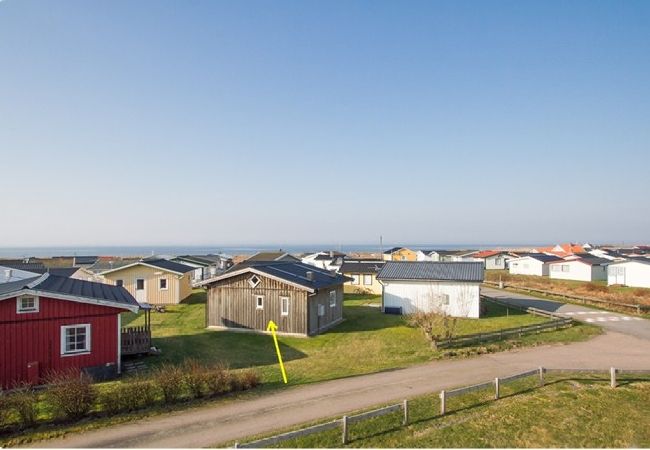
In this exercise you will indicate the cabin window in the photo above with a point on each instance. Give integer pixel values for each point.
(27, 304)
(555, 268)
(321, 310)
(367, 280)
(254, 281)
(332, 299)
(75, 339)
(565, 267)
(163, 284)
(403, 258)
(139, 284)
(284, 306)
(259, 302)
(444, 298)
(119, 282)
(355, 279)
(498, 261)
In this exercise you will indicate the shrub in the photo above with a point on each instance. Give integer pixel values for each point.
(196, 377)
(218, 380)
(246, 379)
(641, 292)
(24, 401)
(71, 394)
(171, 381)
(129, 395)
(5, 410)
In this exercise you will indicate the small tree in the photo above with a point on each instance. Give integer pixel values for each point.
(437, 326)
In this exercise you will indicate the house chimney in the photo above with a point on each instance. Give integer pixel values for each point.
(8, 273)
(331, 253)
(310, 275)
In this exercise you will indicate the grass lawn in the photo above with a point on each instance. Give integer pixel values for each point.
(567, 412)
(374, 341)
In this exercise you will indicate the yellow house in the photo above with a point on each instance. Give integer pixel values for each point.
(400, 254)
(157, 281)
(364, 276)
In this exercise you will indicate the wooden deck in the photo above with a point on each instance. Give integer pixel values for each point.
(136, 340)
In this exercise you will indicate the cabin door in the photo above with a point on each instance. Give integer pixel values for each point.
(617, 275)
(141, 290)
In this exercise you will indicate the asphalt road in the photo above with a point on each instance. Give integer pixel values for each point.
(610, 321)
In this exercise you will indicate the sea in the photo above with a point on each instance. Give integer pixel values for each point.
(46, 252)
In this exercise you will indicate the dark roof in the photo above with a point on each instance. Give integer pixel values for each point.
(326, 256)
(292, 272)
(639, 260)
(203, 259)
(78, 288)
(272, 256)
(593, 261)
(361, 266)
(85, 259)
(63, 271)
(169, 265)
(29, 267)
(544, 257)
(392, 250)
(108, 264)
(434, 271)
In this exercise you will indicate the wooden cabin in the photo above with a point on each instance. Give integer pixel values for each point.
(52, 323)
(299, 298)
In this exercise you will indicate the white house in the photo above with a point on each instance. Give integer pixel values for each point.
(328, 260)
(445, 287)
(582, 269)
(532, 264)
(427, 255)
(632, 272)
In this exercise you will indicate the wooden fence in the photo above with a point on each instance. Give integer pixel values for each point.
(495, 384)
(637, 308)
(135, 340)
(556, 322)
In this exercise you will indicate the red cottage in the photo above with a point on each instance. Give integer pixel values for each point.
(51, 323)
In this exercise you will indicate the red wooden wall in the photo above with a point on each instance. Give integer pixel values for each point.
(36, 337)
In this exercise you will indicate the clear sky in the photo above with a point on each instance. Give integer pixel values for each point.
(263, 122)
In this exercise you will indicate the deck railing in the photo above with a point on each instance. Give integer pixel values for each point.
(136, 340)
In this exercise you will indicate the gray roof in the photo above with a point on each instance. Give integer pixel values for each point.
(292, 272)
(169, 265)
(433, 271)
(392, 250)
(36, 267)
(86, 260)
(593, 261)
(103, 264)
(361, 266)
(205, 260)
(78, 288)
(544, 257)
(272, 256)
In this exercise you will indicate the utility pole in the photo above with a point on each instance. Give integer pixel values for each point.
(381, 246)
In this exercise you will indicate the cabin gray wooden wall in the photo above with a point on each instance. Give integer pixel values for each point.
(332, 314)
(232, 303)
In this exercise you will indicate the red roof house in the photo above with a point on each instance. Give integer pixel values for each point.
(52, 323)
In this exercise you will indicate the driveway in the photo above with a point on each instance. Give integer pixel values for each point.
(213, 425)
(610, 321)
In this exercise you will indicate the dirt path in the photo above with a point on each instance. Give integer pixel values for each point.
(210, 426)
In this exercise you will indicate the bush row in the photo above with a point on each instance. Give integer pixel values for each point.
(70, 395)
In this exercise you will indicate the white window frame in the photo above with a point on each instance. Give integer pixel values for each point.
(88, 346)
(166, 288)
(259, 304)
(19, 305)
(444, 299)
(332, 299)
(367, 279)
(284, 305)
(356, 279)
(252, 283)
(566, 268)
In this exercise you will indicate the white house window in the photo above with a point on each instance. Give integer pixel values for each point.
(332, 299)
(355, 279)
(515, 264)
(403, 258)
(259, 302)
(321, 310)
(27, 304)
(119, 282)
(284, 306)
(555, 268)
(75, 339)
(367, 280)
(254, 281)
(444, 299)
(498, 261)
(565, 267)
(163, 284)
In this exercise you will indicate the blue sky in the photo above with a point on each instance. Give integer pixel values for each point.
(264, 122)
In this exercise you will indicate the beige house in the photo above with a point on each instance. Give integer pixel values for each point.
(400, 254)
(157, 281)
(363, 276)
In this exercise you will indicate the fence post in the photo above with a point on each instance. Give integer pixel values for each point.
(344, 424)
(442, 403)
(405, 421)
(236, 444)
(612, 374)
(496, 388)
(541, 376)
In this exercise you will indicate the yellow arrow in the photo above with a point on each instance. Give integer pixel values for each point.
(272, 327)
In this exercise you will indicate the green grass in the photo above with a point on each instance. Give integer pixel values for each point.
(387, 342)
(372, 340)
(567, 412)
